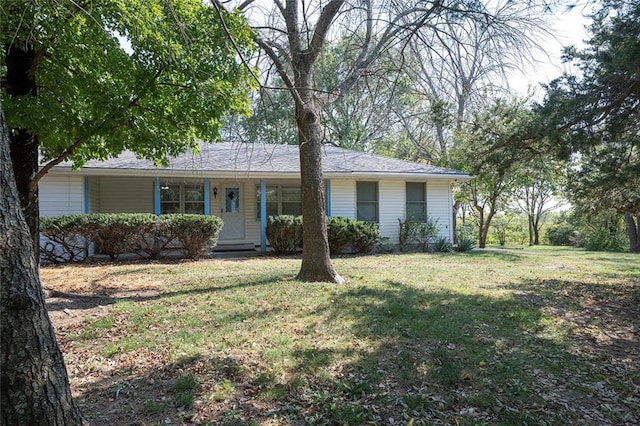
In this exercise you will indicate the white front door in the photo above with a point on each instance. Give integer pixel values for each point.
(232, 214)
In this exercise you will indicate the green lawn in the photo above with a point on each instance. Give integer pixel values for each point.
(534, 336)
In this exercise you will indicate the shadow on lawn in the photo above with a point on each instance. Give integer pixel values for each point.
(431, 356)
(604, 316)
(72, 301)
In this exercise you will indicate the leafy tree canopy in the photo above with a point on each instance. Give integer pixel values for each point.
(593, 119)
(150, 76)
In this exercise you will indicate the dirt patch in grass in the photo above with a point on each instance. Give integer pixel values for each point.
(70, 309)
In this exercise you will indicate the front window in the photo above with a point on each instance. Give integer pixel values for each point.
(281, 200)
(367, 201)
(181, 198)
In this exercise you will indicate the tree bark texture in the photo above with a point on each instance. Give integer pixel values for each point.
(34, 386)
(316, 262)
(20, 81)
(633, 232)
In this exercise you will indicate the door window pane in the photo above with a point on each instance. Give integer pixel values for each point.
(232, 200)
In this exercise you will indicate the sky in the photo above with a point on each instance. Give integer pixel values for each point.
(569, 29)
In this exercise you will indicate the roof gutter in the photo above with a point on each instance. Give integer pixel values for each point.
(86, 171)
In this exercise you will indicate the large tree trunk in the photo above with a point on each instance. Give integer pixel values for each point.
(316, 263)
(20, 81)
(34, 387)
(633, 232)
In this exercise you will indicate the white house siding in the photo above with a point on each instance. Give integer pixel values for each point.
(251, 224)
(94, 194)
(343, 198)
(61, 195)
(391, 199)
(125, 194)
(439, 206)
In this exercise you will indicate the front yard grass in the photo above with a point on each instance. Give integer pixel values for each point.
(534, 336)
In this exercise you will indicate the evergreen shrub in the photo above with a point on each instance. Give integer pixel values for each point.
(284, 233)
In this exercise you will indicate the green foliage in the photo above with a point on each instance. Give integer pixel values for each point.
(344, 233)
(501, 226)
(367, 235)
(465, 244)
(149, 76)
(602, 231)
(339, 233)
(415, 232)
(112, 233)
(592, 119)
(115, 234)
(196, 233)
(490, 147)
(602, 239)
(467, 238)
(152, 237)
(284, 233)
(442, 245)
(560, 234)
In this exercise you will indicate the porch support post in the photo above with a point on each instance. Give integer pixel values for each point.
(156, 196)
(327, 191)
(207, 197)
(85, 199)
(263, 215)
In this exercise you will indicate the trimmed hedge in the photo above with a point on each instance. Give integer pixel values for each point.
(285, 234)
(195, 233)
(68, 237)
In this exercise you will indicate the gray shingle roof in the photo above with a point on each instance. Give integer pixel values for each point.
(264, 158)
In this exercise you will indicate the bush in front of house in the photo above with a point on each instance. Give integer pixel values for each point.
(340, 233)
(418, 233)
(67, 237)
(64, 238)
(152, 237)
(367, 235)
(114, 234)
(284, 233)
(195, 233)
(344, 233)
